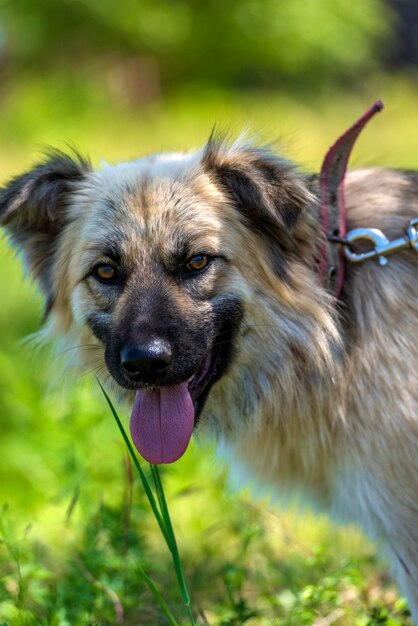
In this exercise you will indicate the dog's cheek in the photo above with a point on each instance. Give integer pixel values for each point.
(86, 314)
(192, 330)
(99, 324)
(228, 316)
(227, 308)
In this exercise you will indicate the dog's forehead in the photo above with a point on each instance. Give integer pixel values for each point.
(161, 199)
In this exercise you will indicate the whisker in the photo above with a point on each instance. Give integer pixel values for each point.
(91, 371)
(243, 330)
(108, 380)
(224, 332)
(221, 343)
(97, 361)
(87, 346)
(99, 371)
(258, 325)
(113, 385)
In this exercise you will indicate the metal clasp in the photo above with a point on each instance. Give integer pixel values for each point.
(382, 246)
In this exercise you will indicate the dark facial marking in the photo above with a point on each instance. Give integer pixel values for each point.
(99, 325)
(228, 314)
(146, 314)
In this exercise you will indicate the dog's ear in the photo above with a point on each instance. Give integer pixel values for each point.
(267, 190)
(33, 209)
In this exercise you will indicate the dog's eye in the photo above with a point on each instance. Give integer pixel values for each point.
(105, 272)
(197, 263)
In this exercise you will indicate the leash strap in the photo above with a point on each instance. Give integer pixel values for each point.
(333, 210)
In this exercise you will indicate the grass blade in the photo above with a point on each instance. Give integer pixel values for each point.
(147, 488)
(158, 597)
(172, 541)
(162, 516)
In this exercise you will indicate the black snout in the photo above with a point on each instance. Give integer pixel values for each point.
(146, 361)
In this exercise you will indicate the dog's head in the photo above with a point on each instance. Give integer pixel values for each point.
(182, 268)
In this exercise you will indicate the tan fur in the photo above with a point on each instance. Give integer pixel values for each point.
(319, 396)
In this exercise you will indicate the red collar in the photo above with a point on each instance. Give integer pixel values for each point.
(333, 213)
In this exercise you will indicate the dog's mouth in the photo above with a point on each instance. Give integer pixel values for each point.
(163, 418)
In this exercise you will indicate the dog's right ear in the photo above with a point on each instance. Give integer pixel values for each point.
(33, 210)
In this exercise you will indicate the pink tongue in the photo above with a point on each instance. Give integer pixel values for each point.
(162, 423)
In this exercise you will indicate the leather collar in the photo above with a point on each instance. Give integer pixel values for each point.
(333, 210)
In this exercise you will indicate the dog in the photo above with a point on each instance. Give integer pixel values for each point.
(195, 276)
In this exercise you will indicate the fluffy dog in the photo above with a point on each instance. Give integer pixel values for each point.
(196, 276)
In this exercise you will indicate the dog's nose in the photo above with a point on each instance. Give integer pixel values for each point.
(146, 361)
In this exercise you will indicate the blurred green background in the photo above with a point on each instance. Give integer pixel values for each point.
(118, 80)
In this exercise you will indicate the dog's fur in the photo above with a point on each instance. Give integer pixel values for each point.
(309, 392)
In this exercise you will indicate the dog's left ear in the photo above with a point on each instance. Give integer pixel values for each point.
(267, 190)
(33, 209)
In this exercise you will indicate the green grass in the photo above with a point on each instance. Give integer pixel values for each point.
(161, 513)
(75, 522)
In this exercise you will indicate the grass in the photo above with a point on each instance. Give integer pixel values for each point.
(74, 523)
(162, 515)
